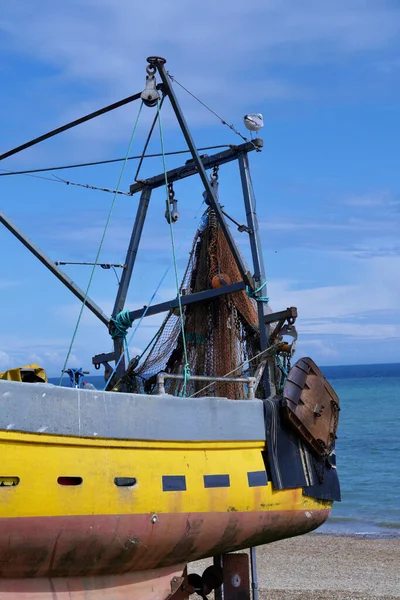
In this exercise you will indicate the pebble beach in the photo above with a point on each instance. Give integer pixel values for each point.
(327, 567)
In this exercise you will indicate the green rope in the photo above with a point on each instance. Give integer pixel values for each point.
(102, 241)
(186, 368)
(121, 323)
(252, 293)
(284, 372)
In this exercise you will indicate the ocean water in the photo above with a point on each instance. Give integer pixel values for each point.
(368, 449)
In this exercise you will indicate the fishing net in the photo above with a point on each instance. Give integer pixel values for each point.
(220, 333)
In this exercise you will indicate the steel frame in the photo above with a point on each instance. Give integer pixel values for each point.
(198, 165)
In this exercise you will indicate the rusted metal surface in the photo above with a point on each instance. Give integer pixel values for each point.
(311, 406)
(180, 590)
(83, 546)
(236, 584)
(141, 585)
(290, 314)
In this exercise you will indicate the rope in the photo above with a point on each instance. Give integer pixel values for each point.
(75, 376)
(136, 328)
(213, 112)
(284, 371)
(140, 356)
(121, 323)
(186, 369)
(101, 241)
(245, 362)
(252, 293)
(105, 162)
(147, 308)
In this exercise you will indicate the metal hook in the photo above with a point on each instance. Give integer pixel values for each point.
(214, 185)
(150, 95)
(171, 211)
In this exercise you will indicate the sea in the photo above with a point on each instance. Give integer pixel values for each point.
(367, 448)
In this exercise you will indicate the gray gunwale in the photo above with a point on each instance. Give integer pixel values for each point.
(54, 410)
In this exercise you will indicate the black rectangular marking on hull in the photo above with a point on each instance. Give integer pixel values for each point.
(216, 481)
(174, 483)
(257, 478)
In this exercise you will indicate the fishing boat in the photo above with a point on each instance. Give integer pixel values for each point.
(209, 442)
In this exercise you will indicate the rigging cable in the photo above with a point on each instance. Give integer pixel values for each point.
(109, 161)
(150, 303)
(28, 174)
(213, 112)
(102, 240)
(70, 125)
(147, 142)
(90, 187)
(186, 368)
(56, 179)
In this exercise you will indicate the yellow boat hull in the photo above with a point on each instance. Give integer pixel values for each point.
(103, 495)
(100, 528)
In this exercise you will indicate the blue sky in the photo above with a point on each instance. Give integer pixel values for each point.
(326, 77)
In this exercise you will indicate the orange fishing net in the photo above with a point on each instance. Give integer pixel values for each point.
(220, 333)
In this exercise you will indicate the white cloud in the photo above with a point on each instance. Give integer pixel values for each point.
(94, 39)
(369, 200)
(214, 48)
(45, 355)
(91, 52)
(351, 224)
(336, 310)
(324, 348)
(352, 330)
(5, 360)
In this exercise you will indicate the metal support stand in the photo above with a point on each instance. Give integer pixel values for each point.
(254, 579)
(127, 273)
(236, 584)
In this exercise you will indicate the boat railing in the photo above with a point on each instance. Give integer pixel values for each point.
(251, 381)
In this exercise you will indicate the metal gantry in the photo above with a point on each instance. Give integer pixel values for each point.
(198, 165)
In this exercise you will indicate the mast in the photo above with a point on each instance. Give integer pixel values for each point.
(127, 272)
(256, 283)
(257, 256)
